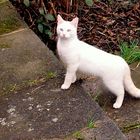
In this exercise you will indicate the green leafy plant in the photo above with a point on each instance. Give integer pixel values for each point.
(26, 3)
(44, 22)
(44, 18)
(130, 52)
(89, 2)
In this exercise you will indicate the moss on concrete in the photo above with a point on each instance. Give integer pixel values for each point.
(9, 20)
(9, 24)
(4, 46)
(2, 1)
(13, 88)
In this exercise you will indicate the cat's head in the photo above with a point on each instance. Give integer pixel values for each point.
(66, 29)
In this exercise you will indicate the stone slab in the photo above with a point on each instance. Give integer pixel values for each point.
(46, 112)
(24, 60)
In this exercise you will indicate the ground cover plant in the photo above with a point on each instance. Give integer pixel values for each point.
(130, 52)
(102, 22)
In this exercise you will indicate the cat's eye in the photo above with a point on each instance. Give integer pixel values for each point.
(68, 30)
(61, 29)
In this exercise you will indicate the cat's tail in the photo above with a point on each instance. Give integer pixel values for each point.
(129, 85)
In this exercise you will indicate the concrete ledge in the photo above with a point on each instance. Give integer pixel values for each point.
(24, 59)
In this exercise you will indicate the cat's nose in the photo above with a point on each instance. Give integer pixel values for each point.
(64, 35)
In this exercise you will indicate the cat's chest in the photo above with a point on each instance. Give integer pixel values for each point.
(66, 53)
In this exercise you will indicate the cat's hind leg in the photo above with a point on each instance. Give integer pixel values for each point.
(119, 100)
(117, 88)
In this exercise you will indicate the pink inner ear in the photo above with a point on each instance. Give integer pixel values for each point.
(75, 21)
(59, 19)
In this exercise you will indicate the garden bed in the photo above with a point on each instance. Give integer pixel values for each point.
(104, 24)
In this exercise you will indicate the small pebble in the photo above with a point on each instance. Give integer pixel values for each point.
(24, 100)
(30, 129)
(11, 110)
(3, 123)
(38, 106)
(12, 122)
(40, 109)
(30, 108)
(49, 103)
(55, 119)
(30, 98)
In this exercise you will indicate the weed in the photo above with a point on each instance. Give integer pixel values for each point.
(2, 46)
(96, 97)
(50, 75)
(130, 127)
(130, 52)
(78, 135)
(89, 2)
(33, 82)
(91, 124)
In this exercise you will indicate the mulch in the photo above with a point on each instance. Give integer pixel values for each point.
(105, 24)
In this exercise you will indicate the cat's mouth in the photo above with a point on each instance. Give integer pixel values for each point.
(64, 36)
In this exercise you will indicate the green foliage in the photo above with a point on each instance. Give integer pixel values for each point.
(78, 135)
(50, 17)
(4, 46)
(49, 33)
(96, 97)
(91, 124)
(8, 24)
(26, 2)
(51, 75)
(44, 19)
(130, 127)
(89, 2)
(41, 11)
(130, 52)
(40, 27)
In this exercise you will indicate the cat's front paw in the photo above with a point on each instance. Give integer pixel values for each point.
(116, 105)
(74, 80)
(65, 86)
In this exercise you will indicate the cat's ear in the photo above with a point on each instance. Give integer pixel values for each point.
(75, 21)
(59, 19)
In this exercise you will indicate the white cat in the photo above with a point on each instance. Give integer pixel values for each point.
(78, 55)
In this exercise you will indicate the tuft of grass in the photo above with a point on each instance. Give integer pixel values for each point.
(130, 52)
(2, 46)
(77, 135)
(130, 127)
(96, 97)
(91, 124)
(51, 75)
(28, 83)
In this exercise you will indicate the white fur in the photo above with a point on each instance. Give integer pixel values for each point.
(78, 55)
